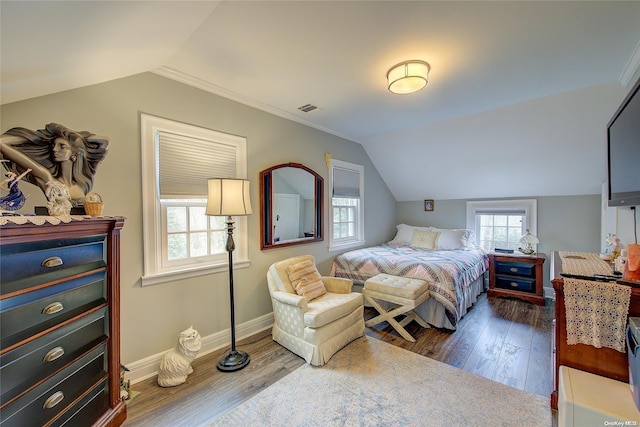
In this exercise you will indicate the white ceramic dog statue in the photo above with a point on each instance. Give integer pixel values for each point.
(176, 364)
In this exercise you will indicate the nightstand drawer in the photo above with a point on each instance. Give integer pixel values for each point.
(516, 268)
(25, 366)
(34, 312)
(516, 283)
(56, 394)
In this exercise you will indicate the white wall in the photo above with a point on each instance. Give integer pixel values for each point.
(152, 316)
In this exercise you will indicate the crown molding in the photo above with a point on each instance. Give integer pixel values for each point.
(179, 76)
(626, 78)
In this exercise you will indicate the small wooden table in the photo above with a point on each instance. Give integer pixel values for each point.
(517, 275)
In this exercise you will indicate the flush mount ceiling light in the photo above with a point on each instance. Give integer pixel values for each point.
(408, 76)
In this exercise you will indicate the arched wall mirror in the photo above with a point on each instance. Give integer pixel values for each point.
(290, 206)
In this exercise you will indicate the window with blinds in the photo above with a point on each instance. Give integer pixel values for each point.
(178, 159)
(501, 223)
(347, 213)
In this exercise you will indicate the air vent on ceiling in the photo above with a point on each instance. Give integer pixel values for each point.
(307, 108)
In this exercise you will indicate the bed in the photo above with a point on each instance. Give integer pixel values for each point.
(453, 267)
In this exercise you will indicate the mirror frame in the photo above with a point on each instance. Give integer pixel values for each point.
(266, 203)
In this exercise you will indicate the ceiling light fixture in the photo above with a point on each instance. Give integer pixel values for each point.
(408, 77)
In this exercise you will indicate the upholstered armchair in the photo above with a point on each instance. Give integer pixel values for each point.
(316, 324)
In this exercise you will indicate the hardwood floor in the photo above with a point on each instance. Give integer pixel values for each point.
(502, 339)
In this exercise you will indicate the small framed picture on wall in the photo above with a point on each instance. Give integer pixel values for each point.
(428, 205)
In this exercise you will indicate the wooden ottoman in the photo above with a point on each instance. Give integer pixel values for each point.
(405, 293)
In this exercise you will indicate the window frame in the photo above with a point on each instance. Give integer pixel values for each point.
(156, 269)
(529, 206)
(359, 238)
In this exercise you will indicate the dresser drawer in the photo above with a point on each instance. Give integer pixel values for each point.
(57, 394)
(87, 410)
(516, 268)
(25, 366)
(516, 283)
(33, 312)
(23, 265)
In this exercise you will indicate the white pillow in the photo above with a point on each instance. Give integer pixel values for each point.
(405, 233)
(453, 239)
(423, 239)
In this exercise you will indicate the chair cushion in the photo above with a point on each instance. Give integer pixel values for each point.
(306, 280)
(330, 307)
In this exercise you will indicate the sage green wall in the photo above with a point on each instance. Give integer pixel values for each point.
(152, 316)
(565, 223)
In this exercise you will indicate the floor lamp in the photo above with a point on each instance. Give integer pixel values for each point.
(230, 197)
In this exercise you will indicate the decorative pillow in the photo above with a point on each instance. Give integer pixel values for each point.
(405, 233)
(454, 238)
(306, 280)
(423, 239)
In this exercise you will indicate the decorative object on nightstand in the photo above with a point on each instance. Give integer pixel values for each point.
(528, 241)
(518, 276)
(230, 197)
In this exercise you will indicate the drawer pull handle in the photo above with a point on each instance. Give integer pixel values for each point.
(53, 354)
(53, 308)
(514, 269)
(54, 261)
(53, 400)
(514, 284)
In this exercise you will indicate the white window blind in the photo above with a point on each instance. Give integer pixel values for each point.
(185, 164)
(500, 212)
(346, 183)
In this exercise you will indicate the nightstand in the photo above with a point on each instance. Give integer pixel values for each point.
(516, 275)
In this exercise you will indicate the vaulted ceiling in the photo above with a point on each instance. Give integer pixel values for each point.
(279, 55)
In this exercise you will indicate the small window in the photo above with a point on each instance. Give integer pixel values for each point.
(347, 208)
(501, 223)
(177, 160)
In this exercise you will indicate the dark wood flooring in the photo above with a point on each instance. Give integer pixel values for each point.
(503, 339)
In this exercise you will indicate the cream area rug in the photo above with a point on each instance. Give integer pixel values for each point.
(372, 383)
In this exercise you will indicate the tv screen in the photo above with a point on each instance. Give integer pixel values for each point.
(623, 135)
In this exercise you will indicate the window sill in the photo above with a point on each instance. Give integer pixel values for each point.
(345, 246)
(172, 276)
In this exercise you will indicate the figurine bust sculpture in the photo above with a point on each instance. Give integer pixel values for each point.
(57, 156)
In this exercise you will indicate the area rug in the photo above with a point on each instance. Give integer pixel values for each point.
(372, 383)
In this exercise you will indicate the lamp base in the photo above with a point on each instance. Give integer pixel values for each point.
(233, 360)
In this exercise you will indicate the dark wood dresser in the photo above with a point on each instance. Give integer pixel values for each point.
(603, 361)
(60, 323)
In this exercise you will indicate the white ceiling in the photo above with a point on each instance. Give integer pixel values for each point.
(277, 56)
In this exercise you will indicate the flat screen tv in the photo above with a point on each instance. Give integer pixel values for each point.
(623, 146)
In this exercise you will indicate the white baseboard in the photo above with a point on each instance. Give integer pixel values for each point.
(148, 367)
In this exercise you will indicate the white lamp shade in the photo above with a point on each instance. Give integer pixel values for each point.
(408, 77)
(228, 197)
